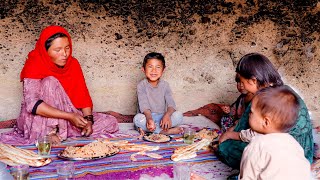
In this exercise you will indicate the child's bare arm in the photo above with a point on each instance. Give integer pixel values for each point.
(150, 123)
(166, 121)
(229, 135)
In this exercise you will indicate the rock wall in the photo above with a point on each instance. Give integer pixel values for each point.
(201, 40)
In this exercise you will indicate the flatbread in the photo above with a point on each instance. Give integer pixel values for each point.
(188, 152)
(152, 155)
(125, 145)
(14, 156)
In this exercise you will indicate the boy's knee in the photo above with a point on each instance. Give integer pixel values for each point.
(177, 117)
(139, 118)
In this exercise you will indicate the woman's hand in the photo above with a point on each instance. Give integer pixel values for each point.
(87, 130)
(151, 125)
(78, 121)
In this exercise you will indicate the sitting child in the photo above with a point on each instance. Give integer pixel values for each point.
(157, 109)
(233, 112)
(275, 154)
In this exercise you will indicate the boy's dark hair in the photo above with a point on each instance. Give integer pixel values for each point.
(154, 55)
(280, 104)
(255, 65)
(48, 42)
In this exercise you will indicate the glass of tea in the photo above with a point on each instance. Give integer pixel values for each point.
(188, 135)
(44, 145)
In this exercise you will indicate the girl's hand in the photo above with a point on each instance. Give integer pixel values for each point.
(165, 123)
(78, 120)
(224, 137)
(151, 125)
(87, 130)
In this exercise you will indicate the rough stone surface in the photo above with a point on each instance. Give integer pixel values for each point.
(202, 41)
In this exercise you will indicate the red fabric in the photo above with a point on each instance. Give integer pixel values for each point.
(39, 65)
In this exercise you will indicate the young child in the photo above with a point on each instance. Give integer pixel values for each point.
(157, 109)
(275, 154)
(233, 112)
(257, 72)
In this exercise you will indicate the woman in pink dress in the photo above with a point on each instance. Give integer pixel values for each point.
(56, 100)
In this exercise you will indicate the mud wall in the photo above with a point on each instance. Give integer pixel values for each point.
(202, 41)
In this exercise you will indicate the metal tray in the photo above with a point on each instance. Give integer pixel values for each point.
(148, 134)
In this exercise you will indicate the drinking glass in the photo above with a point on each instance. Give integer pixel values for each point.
(188, 135)
(20, 172)
(65, 170)
(44, 145)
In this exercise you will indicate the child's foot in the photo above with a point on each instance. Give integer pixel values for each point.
(141, 132)
(175, 130)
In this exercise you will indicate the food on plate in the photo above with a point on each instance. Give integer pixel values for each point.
(206, 133)
(157, 138)
(92, 150)
(14, 156)
(188, 152)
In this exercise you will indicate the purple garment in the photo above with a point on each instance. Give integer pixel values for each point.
(29, 127)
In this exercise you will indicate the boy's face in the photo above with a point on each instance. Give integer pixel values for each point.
(256, 120)
(250, 85)
(153, 70)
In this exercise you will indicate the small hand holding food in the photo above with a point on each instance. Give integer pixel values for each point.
(151, 125)
(165, 123)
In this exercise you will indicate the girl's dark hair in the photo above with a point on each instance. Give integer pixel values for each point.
(48, 42)
(279, 103)
(154, 55)
(258, 66)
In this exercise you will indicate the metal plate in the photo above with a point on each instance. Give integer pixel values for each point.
(86, 158)
(148, 134)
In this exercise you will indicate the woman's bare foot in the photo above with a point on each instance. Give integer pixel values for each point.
(175, 130)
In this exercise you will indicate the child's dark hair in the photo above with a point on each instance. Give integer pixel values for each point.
(280, 104)
(255, 65)
(154, 55)
(48, 42)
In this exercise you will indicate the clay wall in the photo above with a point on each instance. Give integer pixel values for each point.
(201, 40)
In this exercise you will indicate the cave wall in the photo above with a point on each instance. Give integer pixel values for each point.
(202, 41)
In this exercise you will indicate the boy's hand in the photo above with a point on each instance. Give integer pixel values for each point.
(165, 123)
(151, 125)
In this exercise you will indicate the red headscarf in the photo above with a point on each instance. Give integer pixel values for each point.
(39, 65)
